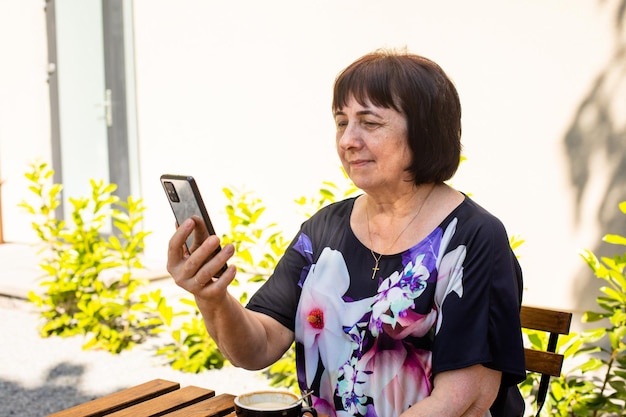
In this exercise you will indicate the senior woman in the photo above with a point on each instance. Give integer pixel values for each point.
(403, 301)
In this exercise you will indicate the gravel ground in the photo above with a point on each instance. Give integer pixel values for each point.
(40, 376)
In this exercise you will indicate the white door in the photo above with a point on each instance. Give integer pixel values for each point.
(83, 106)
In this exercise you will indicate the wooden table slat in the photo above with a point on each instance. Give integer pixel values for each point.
(119, 400)
(169, 402)
(219, 405)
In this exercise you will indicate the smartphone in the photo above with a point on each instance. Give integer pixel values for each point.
(185, 200)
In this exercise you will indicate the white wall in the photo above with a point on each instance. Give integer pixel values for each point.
(238, 94)
(24, 107)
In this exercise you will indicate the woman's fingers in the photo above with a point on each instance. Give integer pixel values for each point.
(200, 232)
(176, 246)
(208, 260)
(203, 281)
(196, 271)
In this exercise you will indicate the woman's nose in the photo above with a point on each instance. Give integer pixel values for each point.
(349, 136)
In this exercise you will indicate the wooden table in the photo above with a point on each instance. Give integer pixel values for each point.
(156, 398)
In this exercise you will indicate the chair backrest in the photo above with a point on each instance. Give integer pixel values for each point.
(547, 363)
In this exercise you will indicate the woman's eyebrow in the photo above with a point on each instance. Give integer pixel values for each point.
(365, 112)
(368, 112)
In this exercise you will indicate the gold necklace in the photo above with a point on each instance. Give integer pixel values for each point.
(369, 233)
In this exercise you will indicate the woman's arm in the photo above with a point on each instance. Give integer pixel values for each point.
(248, 339)
(467, 392)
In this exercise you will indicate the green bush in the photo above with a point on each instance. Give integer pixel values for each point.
(597, 385)
(190, 349)
(90, 287)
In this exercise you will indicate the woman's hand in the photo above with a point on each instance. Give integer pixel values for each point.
(465, 392)
(238, 332)
(195, 271)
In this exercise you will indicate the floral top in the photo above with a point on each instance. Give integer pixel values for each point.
(370, 347)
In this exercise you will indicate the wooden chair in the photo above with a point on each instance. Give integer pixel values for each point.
(547, 363)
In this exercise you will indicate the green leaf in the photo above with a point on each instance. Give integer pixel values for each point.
(588, 255)
(592, 316)
(613, 294)
(592, 364)
(592, 336)
(615, 239)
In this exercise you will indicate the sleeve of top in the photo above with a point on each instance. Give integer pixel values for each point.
(278, 296)
(481, 325)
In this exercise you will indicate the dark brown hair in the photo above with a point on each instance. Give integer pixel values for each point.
(418, 88)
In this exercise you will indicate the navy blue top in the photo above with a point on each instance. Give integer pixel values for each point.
(372, 346)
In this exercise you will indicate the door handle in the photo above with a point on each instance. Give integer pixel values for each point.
(108, 107)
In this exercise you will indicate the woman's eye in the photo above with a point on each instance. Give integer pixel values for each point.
(341, 124)
(370, 124)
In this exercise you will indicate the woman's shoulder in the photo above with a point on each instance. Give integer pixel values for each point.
(337, 209)
(329, 219)
(470, 209)
(472, 218)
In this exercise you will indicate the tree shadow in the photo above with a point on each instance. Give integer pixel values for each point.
(595, 145)
(58, 392)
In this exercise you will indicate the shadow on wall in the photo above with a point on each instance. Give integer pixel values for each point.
(597, 139)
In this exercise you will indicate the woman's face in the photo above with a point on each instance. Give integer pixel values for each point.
(372, 143)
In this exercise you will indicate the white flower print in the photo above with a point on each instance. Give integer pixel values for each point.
(450, 268)
(396, 295)
(323, 314)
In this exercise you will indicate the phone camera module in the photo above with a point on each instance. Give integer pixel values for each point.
(171, 191)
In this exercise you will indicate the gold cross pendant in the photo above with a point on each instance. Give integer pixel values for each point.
(374, 270)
